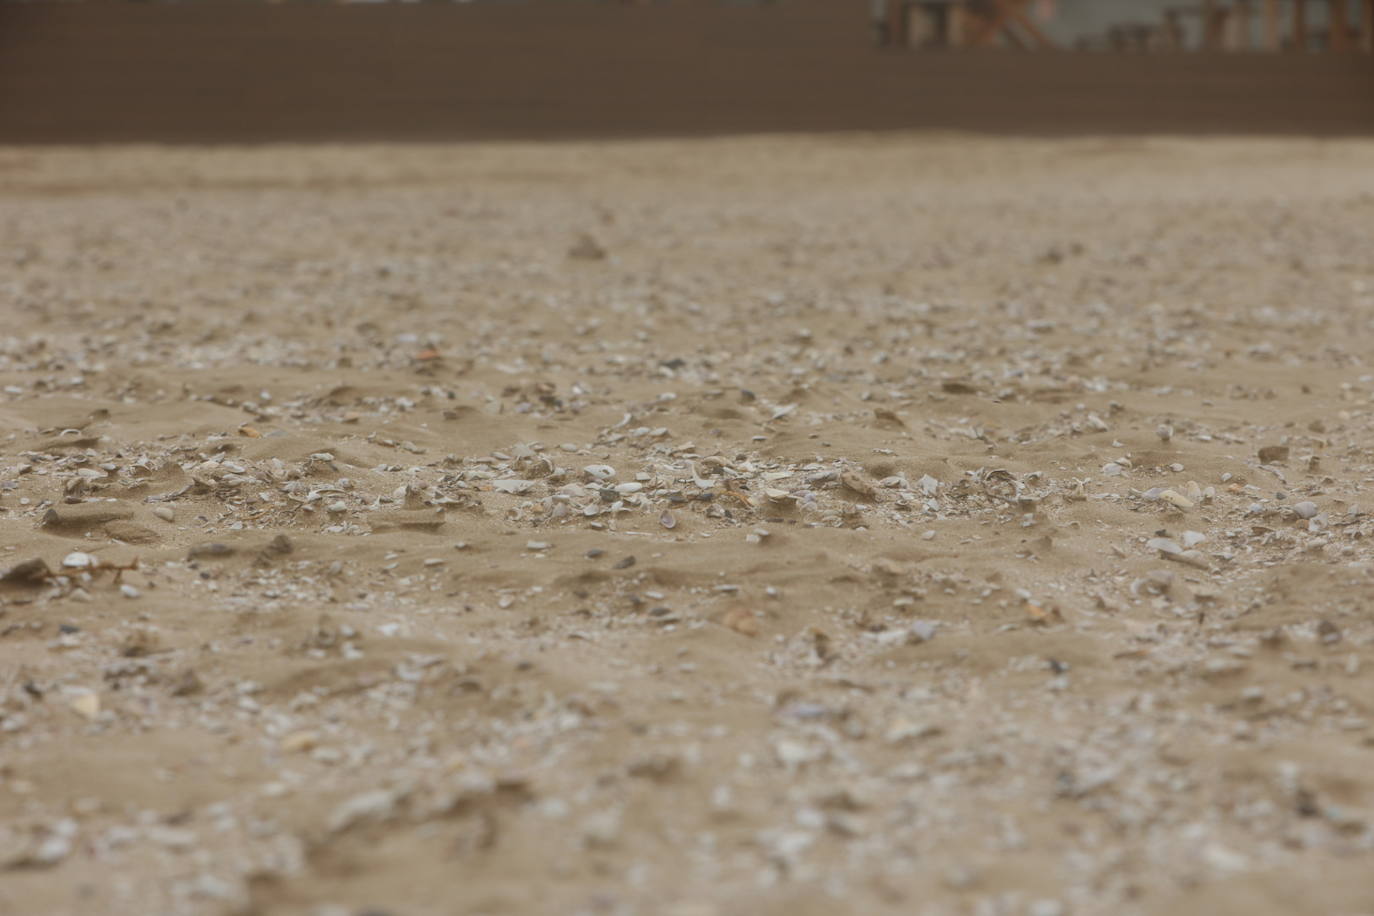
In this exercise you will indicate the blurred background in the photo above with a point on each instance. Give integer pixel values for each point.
(226, 70)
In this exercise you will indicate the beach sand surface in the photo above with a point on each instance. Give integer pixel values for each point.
(850, 524)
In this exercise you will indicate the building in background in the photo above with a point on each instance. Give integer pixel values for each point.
(1129, 25)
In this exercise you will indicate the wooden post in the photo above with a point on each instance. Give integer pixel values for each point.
(1271, 25)
(1172, 31)
(1339, 25)
(1209, 25)
(958, 25)
(898, 32)
(1367, 28)
(1299, 25)
(1242, 34)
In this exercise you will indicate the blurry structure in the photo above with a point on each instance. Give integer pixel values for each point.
(1253, 25)
(961, 23)
(1207, 25)
(1337, 26)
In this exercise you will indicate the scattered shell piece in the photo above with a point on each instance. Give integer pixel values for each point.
(1176, 499)
(1222, 667)
(1041, 615)
(1195, 558)
(904, 731)
(856, 483)
(742, 622)
(49, 852)
(1166, 546)
(298, 742)
(794, 755)
(924, 630)
(374, 806)
(86, 704)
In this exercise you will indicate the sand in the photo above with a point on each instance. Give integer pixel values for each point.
(916, 524)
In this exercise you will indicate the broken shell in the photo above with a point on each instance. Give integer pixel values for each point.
(1165, 546)
(783, 411)
(1176, 499)
(853, 482)
(742, 622)
(86, 704)
(297, 742)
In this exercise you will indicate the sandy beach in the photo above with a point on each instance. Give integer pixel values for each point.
(811, 525)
